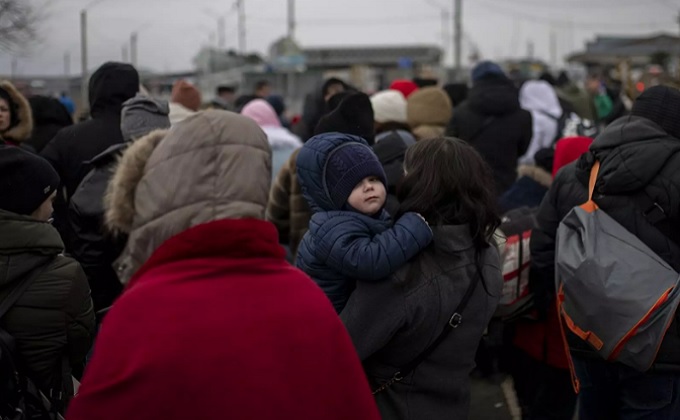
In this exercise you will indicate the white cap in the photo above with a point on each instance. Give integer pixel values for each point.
(389, 106)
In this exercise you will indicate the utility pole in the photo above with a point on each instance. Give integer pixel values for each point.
(83, 59)
(133, 49)
(446, 18)
(553, 49)
(221, 36)
(67, 64)
(15, 65)
(291, 19)
(241, 26)
(290, 88)
(458, 36)
(677, 70)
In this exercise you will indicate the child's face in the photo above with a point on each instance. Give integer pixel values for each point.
(368, 197)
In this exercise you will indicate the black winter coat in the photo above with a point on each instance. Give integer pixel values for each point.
(53, 320)
(493, 122)
(95, 249)
(392, 322)
(110, 86)
(637, 157)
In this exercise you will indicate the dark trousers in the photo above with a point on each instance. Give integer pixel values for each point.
(614, 391)
(544, 392)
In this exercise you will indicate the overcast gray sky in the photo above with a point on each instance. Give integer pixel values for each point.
(172, 31)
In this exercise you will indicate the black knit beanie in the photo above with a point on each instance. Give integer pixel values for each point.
(660, 104)
(353, 115)
(346, 166)
(26, 180)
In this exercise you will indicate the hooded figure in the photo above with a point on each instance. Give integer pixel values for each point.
(639, 187)
(212, 295)
(539, 98)
(49, 116)
(92, 247)
(351, 114)
(491, 120)
(110, 86)
(16, 119)
(315, 106)
(282, 141)
(428, 110)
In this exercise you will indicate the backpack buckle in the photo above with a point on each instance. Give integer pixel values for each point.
(455, 320)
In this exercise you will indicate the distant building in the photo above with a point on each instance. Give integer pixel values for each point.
(213, 60)
(639, 51)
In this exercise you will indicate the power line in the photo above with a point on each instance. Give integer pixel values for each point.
(589, 4)
(397, 20)
(545, 20)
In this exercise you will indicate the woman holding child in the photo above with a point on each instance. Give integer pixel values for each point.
(417, 330)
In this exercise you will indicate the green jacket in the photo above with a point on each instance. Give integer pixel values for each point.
(53, 321)
(581, 101)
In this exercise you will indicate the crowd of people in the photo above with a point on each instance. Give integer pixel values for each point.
(220, 260)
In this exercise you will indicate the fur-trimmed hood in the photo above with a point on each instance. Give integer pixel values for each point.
(21, 131)
(214, 165)
(536, 173)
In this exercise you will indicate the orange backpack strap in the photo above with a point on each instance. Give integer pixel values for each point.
(560, 315)
(590, 206)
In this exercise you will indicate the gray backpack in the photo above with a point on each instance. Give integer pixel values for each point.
(613, 291)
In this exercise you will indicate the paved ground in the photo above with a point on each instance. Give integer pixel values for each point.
(493, 401)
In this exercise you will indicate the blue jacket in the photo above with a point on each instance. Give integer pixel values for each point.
(344, 246)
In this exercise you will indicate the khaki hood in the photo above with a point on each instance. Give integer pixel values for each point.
(24, 126)
(214, 165)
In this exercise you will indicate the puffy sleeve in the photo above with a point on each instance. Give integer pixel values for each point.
(348, 247)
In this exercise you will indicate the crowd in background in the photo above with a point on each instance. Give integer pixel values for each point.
(234, 261)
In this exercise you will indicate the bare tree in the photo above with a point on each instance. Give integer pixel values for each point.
(18, 24)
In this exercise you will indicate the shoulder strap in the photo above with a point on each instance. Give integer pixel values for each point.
(486, 123)
(20, 288)
(552, 117)
(651, 210)
(590, 205)
(454, 322)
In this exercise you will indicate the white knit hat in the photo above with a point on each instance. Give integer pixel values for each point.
(389, 106)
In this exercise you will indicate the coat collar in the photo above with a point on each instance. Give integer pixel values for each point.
(231, 239)
(452, 238)
(24, 234)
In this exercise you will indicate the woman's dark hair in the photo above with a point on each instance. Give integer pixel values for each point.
(449, 183)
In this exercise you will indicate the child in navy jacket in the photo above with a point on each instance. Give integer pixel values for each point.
(351, 237)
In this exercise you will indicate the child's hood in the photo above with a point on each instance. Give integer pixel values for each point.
(310, 168)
